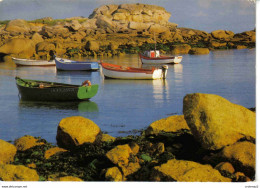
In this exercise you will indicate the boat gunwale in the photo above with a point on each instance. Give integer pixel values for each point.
(67, 61)
(119, 68)
(157, 58)
(31, 60)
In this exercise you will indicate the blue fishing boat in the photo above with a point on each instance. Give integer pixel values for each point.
(71, 65)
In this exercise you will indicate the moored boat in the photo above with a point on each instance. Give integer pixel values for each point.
(31, 62)
(71, 65)
(35, 90)
(124, 72)
(154, 57)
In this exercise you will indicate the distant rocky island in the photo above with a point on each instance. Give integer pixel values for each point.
(112, 30)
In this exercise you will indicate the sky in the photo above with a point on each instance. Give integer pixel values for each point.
(206, 15)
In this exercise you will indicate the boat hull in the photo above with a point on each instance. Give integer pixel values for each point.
(68, 65)
(65, 92)
(160, 60)
(132, 73)
(28, 62)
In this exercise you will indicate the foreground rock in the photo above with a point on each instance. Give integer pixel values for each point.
(17, 173)
(168, 152)
(75, 131)
(188, 171)
(215, 122)
(171, 124)
(7, 152)
(26, 142)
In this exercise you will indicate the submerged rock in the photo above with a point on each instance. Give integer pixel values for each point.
(189, 171)
(76, 130)
(215, 122)
(7, 152)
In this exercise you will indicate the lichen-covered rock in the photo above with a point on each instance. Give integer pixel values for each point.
(7, 152)
(68, 178)
(171, 124)
(92, 46)
(189, 171)
(43, 48)
(23, 46)
(181, 49)
(36, 37)
(27, 142)
(119, 155)
(225, 167)
(199, 51)
(76, 130)
(215, 122)
(52, 151)
(107, 138)
(215, 44)
(17, 173)
(222, 34)
(242, 156)
(113, 174)
(18, 26)
(131, 168)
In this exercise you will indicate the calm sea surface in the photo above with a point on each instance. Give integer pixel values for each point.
(122, 107)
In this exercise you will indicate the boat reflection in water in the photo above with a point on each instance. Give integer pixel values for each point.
(83, 106)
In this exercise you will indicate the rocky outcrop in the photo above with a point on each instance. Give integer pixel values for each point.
(75, 131)
(222, 34)
(7, 152)
(18, 26)
(180, 49)
(216, 122)
(171, 124)
(189, 171)
(27, 142)
(19, 46)
(17, 173)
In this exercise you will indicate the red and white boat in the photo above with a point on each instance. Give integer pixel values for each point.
(154, 57)
(123, 72)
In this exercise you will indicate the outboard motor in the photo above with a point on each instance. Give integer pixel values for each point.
(164, 71)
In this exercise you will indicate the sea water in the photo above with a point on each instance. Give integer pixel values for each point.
(125, 107)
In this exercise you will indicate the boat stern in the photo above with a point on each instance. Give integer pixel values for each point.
(177, 59)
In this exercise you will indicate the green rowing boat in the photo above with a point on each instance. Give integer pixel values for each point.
(35, 90)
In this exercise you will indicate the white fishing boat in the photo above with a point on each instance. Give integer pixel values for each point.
(124, 72)
(154, 57)
(31, 62)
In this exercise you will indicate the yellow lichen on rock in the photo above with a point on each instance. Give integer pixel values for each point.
(215, 122)
(26, 142)
(189, 171)
(75, 131)
(17, 173)
(7, 152)
(119, 155)
(113, 174)
(170, 124)
(107, 138)
(52, 151)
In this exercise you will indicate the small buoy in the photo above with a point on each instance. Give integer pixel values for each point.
(86, 83)
(41, 86)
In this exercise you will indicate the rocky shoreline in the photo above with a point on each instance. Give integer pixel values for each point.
(213, 141)
(112, 30)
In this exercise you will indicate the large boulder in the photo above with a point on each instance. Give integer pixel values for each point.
(215, 122)
(18, 26)
(189, 171)
(21, 46)
(75, 131)
(27, 142)
(171, 124)
(92, 46)
(17, 173)
(222, 34)
(7, 152)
